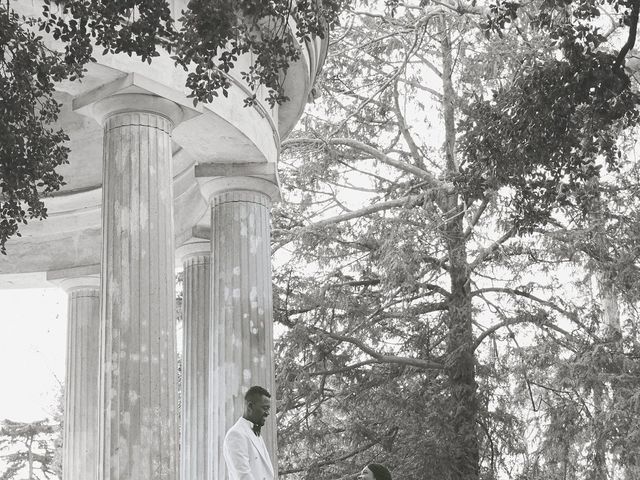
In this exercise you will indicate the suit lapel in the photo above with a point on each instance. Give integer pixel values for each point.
(259, 445)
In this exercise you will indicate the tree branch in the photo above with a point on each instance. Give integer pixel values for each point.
(448, 106)
(374, 153)
(476, 216)
(411, 83)
(408, 361)
(570, 315)
(392, 78)
(485, 252)
(376, 207)
(346, 368)
(633, 30)
(366, 447)
(404, 129)
(436, 288)
(521, 293)
(506, 323)
(463, 8)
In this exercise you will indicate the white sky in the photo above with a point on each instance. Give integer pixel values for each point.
(32, 352)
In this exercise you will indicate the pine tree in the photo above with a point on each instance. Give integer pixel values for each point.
(429, 320)
(28, 450)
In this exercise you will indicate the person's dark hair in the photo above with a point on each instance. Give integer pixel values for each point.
(255, 392)
(380, 472)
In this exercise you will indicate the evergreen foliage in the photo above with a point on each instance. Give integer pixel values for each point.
(460, 202)
(28, 450)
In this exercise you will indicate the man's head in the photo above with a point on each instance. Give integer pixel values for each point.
(257, 404)
(375, 471)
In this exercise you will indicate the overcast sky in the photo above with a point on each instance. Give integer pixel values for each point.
(32, 352)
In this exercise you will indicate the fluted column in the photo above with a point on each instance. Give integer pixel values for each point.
(196, 260)
(241, 306)
(138, 401)
(80, 441)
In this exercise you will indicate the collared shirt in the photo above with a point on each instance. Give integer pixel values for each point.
(250, 424)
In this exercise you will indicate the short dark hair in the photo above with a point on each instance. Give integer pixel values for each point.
(380, 472)
(254, 393)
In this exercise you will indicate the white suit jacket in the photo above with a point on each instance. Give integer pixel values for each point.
(245, 454)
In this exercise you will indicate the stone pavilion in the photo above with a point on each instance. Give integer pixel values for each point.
(154, 183)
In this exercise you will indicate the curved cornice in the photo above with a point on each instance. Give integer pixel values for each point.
(222, 133)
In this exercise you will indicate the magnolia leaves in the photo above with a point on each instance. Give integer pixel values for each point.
(548, 136)
(30, 149)
(207, 41)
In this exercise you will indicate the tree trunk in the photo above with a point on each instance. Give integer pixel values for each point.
(613, 335)
(611, 322)
(460, 365)
(599, 470)
(30, 457)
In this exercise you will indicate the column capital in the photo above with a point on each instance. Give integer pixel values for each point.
(79, 283)
(194, 247)
(76, 278)
(213, 187)
(135, 93)
(136, 102)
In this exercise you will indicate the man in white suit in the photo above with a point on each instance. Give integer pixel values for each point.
(245, 452)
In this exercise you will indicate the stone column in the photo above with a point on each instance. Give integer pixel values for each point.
(196, 261)
(138, 395)
(80, 444)
(241, 305)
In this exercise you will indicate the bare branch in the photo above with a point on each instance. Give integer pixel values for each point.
(448, 107)
(476, 216)
(633, 30)
(433, 68)
(485, 252)
(404, 129)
